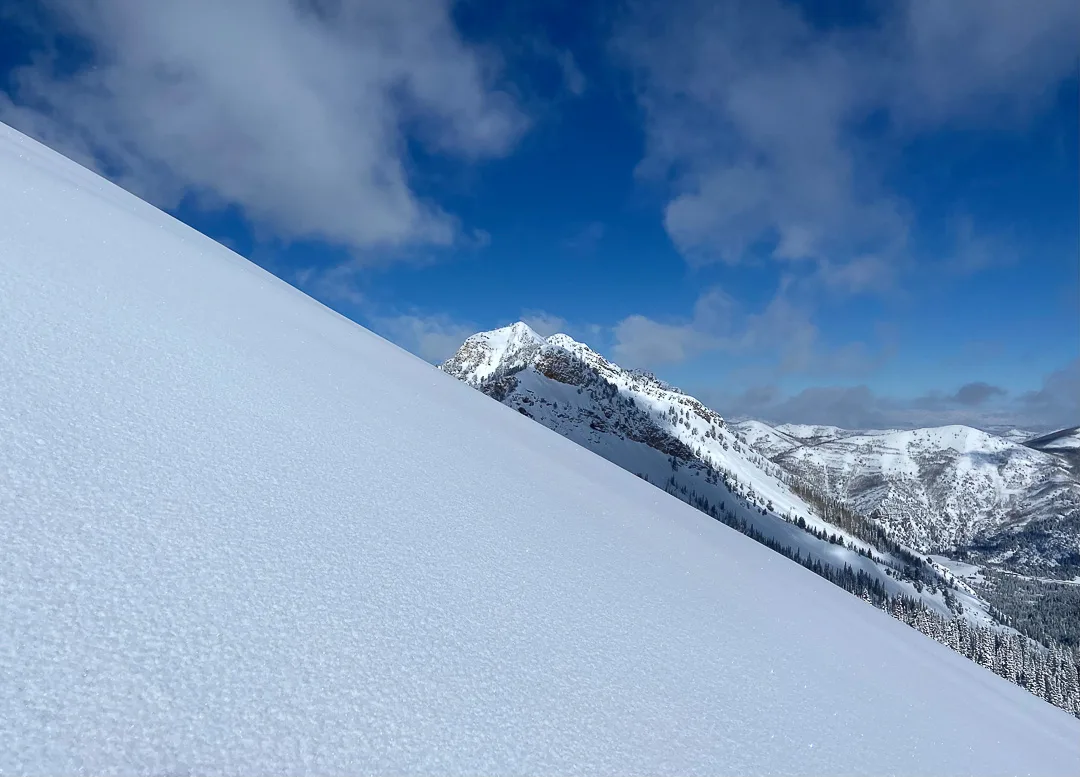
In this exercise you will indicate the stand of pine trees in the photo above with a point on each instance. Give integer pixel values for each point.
(1050, 671)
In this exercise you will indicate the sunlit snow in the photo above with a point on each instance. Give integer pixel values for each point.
(241, 534)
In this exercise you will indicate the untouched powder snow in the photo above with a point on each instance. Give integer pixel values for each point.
(242, 534)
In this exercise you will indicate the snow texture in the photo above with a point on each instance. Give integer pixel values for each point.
(242, 534)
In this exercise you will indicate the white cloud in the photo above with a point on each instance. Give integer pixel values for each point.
(782, 335)
(433, 338)
(297, 112)
(573, 78)
(753, 113)
(545, 324)
(860, 274)
(1055, 405)
(643, 342)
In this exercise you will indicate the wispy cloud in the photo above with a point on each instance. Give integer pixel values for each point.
(573, 78)
(1055, 405)
(974, 251)
(545, 324)
(782, 336)
(1058, 400)
(434, 338)
(585, 240)
(298, 113)
(757, 117)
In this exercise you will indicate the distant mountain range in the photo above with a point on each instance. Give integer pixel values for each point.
(949, 489)
(665, 436)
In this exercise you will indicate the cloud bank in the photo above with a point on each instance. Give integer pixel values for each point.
(1056, 405)
(298, 113)
(774, 130)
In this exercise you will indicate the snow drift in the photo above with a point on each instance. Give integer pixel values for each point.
(242, 534)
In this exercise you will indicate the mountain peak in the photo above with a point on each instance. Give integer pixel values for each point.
(485, 353)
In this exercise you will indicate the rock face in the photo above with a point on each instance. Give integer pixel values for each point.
(947, 489)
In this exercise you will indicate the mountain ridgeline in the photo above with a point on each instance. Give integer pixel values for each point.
(749, 477)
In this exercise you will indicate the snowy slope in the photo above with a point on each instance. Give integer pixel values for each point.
(242, 534)
(948, 488)
(811, 434)
(1063, 440)
(633, 419)
(769, 440)
(1064, 444)
(1011, 433)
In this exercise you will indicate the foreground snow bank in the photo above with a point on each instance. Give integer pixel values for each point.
(242, 534)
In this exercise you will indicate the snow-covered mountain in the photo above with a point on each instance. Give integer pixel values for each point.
(769, 440)
(1011, 433)
(815, 434)
(241, 534)
(671, 439)
(943, 489)
(1064, 443)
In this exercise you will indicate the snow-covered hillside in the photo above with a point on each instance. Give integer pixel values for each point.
(241, 534)
(815, 434)
(946, 488)
(766, 439)
(1064, 444)
(1062, 440)
(671, 439)
(1011, 433)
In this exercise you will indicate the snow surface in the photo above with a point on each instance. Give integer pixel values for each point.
(242, 534)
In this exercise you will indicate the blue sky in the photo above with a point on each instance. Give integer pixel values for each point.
(828, 212)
